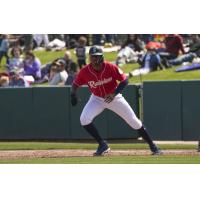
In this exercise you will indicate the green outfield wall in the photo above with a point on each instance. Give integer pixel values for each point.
(46, 113)
(191, 110)
(170, 110)
(162, 109)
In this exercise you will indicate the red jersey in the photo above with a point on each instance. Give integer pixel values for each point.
(101, 82)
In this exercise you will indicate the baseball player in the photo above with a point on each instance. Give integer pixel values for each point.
(102, 78)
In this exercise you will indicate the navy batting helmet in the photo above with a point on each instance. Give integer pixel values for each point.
(96, 51)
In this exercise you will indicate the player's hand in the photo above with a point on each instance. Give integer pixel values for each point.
(74, 100)
(109, 98)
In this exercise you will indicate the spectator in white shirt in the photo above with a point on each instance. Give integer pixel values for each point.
(58, 74)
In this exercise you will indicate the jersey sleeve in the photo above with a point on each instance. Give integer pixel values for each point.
(79, 80)
(118, 73)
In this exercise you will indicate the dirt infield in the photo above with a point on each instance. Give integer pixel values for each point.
(26, 154)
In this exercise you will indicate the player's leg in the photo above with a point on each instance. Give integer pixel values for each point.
(121, 107)
(93, 108)
(145, 135)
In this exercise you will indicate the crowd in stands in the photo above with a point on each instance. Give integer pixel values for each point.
(159, 51)
(151, 52)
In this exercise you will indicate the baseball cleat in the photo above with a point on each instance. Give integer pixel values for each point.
(155, 150)
(157, 153)
(102, 149)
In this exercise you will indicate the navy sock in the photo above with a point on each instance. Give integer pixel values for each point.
(144, 134)
(91, 129)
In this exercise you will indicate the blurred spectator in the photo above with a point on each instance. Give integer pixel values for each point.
(31, 66)
(97, 39)
(16, 61)
(70, 67)
(194, 44)
(159, 37)
(16, 80)
(55, 36)
(71, 43)
(186, 38)
(72, 39)
(39, 39)
(55, 45)
(26, 41)
(188, 57)
(134, 42)
(130, 50)
(58, 75)
(149, 62)
(193, 52)
(109, 38)
(146, 38)
(4, 79)
(46, 71)
(81, 51)
(173, 46)
(4, 48)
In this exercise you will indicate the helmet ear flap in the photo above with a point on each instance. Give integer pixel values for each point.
(100, 60)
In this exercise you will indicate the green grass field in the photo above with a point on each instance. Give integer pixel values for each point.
(164, 159)
(109, 160)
